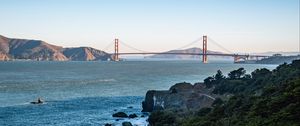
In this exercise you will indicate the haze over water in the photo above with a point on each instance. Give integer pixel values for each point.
(79, 93)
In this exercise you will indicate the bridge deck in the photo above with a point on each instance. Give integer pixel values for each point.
(200, 54)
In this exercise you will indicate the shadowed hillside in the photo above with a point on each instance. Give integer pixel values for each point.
(11, 49)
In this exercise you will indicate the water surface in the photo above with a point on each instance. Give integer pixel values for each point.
(87, 93)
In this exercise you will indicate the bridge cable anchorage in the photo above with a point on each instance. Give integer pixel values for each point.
(220, 46)
(187, 45)
(133, 48)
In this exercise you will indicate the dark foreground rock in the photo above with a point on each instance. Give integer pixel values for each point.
(132, 116)
(120, 114)
(180, 96)
(126, 124)
(107, 124)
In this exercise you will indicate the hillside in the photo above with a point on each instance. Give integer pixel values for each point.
(16, 49)
(189, 50)
(278, 59)
(85, 54)
(262, 98)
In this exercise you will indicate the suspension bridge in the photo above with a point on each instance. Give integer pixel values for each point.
(204, 54)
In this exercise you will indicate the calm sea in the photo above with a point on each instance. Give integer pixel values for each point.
(88, 93)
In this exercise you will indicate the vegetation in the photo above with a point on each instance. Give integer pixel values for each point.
(264, 97)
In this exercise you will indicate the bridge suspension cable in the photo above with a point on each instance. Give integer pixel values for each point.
(220, 46)
(109, 46)
(133, 48)
(187, 45)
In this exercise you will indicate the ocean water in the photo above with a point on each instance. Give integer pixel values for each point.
(88, 93)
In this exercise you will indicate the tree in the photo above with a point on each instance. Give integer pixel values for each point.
(260, 73)
(237, 74)
(219, 76)
(209, 82)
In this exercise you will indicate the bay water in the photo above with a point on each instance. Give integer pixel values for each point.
(88, 93)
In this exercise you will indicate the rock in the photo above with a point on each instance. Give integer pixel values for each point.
(148, 103)
(199, 86)
(182, 87)
(180, 96)
(107, 124)
(36, 102)
(173, 91)
(120, 114)
(4, 57)
(132, 116)
(126, 124)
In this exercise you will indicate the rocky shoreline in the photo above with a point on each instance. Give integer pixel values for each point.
(128, 117)
(262, 97)
(183, 96)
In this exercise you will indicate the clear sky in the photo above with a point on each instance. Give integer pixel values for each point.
(155, 25)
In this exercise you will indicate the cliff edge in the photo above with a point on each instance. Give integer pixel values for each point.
(180, 96)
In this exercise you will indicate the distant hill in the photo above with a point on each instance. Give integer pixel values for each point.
(278, 59)
(189, 50)
(279, 52)
(16, 49)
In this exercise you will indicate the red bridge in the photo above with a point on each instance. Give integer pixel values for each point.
(204, 54)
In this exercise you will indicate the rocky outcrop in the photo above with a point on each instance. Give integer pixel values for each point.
(120, 114)
(11, 49)
(4, 57)
(180, 96)
(126, 124)
(132, 116)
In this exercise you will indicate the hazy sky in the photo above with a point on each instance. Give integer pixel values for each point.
(155, 25)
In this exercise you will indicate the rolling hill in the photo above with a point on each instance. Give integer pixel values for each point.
(25, 49)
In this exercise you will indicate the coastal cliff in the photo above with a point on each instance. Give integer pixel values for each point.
(264, 97)
(25, 49)
(180, 96)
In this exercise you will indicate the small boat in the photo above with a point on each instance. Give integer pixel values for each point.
(39, 101)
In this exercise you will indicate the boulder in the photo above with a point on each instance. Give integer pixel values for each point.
(132, 116)
(126, 124)
(120, 114)
(107, 124)
(148, 103)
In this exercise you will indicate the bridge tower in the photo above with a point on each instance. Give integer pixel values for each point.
(204, 49)
(116, 54)
(236, 58)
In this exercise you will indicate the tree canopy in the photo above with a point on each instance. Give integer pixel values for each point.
(264, 97)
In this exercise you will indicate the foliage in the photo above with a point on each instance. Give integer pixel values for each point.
(264, 97)
(162, 118)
